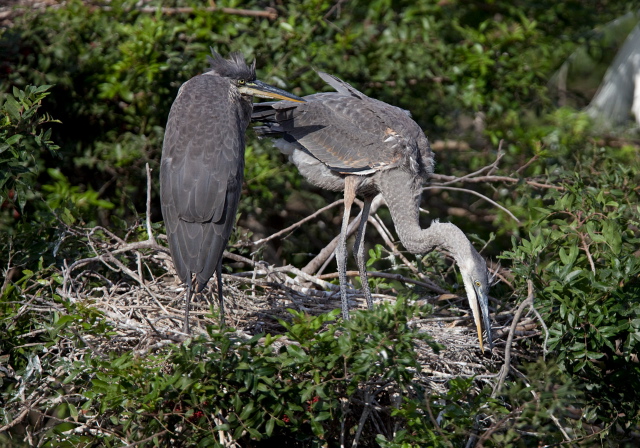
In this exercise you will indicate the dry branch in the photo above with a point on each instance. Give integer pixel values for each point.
(504, 371)
(268, 13)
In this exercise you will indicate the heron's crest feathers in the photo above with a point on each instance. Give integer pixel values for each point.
(234, 67)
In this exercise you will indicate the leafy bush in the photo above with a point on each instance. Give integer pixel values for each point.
(111, 75)
(581, 253)
(319, 384)
(22, 139)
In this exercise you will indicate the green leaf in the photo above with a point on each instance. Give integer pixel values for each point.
(269, 426)
(13, 108)
(247, 410)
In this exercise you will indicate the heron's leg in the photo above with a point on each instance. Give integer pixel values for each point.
(358, 250)
(341, 250)
(219, 281)
(186, 304)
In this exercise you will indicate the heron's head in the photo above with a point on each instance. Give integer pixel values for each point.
(476, 283)
(243, 76)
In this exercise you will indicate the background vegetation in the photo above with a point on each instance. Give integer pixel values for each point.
(85, 90)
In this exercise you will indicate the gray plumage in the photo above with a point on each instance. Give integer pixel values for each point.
(202, 166)
(346, 141)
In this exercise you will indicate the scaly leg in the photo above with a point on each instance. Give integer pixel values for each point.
(219, 281)
(186, 305)
(358, 251)
(341, 250)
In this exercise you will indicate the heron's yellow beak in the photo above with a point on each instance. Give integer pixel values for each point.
(262, 90)
(479, 303)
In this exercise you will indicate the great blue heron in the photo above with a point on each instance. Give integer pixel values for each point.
(202, 166)
(346, 141)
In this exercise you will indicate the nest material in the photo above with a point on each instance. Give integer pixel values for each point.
(147, 311)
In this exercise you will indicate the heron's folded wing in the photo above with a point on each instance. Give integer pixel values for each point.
(344, 132)
(201, 170)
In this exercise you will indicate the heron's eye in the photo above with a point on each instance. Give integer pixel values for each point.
(241, 82)
(478, 283)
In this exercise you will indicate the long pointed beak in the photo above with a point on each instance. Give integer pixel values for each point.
(480, 306)
(484, 307)
(262, 90)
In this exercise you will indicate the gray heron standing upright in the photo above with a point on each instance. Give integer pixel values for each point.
(346, 141)
(202, 166)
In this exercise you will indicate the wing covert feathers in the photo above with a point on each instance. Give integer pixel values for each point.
(201, 173)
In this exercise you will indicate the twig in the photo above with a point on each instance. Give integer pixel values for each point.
(269, 13)
(507, 350)
(345, 409)
(368, 396)
(466, 190)
(22, 415)
(5, 282)
(148, 439)
(387, 275)
(435, 423)
(481, 170)
(289, 269)
(484, 179)
(16, 420)
(526, 165)
(297, 224)
(546, 332)
(585, 247)
(497, 426)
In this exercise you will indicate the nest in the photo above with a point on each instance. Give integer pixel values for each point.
(147, 310)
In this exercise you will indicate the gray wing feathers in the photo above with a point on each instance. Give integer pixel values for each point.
(340, 86)
(201, 175)
(348, 131)
(344, 132)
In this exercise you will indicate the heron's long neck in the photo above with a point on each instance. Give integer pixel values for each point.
(401, 191)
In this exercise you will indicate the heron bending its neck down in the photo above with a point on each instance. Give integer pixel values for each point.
(346, 141)
(202, 166)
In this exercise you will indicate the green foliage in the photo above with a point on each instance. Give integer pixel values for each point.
(23, 137)
(250, 389)
(111, 76)
(581, 253)
(307, 387)
(63, 197)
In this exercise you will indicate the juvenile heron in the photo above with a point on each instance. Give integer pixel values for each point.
(346, 141)
(202, 166)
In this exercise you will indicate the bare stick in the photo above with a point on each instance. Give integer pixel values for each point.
(526, 165)
(289, 269)
(466, 190)
(507, 350)
(269, 13)
(21, 416)
(435, 423)
(368, 397)
(325, 254)
(485, 179)
(481, 170)
(297, 224)
(387, 275)
(585, 247)
(16, 420)
(148, 439)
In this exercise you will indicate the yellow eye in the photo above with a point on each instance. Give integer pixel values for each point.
(477, 283)
(241, 82)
